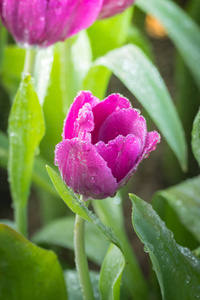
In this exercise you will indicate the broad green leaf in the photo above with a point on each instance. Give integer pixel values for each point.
(185, 201)
(196, 137)
(27, 271)
(110, 33)
(132, 275)
(177, 269)
(60, 233)
(12, 67)
(42, 71)
(111, 273)
(26, 129)
(78, 207)
(183, 31)
(73, 286)
(141, 77)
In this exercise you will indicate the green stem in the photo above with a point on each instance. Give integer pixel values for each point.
(81, 259)
(20, 215)
(29, 62)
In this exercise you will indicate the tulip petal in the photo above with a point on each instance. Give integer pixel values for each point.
(84, 170)
(124, 122)
(153, 138)
(121, 154)
(101, 111)
(70, 123)
(24, 19)
(67, 17)
(111, 8)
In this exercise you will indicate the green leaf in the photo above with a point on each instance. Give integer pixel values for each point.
(184, 199)
(196, 137)
(73, 286)
(60, 233)
(26, 129)
(110, 275)
(177, 269)
(183, 31)
(27, 271)
(78, 207)
(141, 77)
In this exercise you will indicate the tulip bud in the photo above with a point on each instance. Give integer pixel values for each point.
(45, 22)
(103, 144)
(113, 7)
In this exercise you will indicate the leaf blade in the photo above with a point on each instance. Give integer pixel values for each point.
(24, 269)
(174, 265)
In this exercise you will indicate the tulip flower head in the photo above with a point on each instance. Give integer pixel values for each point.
(113, 7)
(103, 144)
(45, 22)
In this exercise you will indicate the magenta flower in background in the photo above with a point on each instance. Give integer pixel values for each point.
(45, 22)
(103, 143)
(113, 7)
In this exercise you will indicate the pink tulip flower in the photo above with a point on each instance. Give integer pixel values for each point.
(103, 144)
(45, 22)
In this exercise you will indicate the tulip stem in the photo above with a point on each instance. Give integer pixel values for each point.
(29, 63)
(81, 259)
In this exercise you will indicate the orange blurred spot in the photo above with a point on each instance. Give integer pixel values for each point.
(154, 27)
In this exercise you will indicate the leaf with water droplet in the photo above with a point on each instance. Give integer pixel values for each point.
(27, 271)
(26, 129)
(174, 265)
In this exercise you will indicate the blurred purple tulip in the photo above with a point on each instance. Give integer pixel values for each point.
(45, 22)
(103, 143)
(113, 7)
